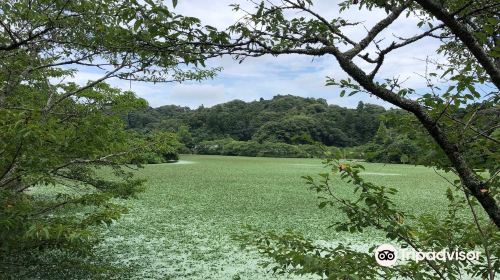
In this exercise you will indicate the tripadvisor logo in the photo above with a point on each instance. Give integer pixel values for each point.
(387, 255)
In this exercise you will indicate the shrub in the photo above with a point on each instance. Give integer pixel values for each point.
(270, 149)
(163, 147)
(231, 147)
(211, 147)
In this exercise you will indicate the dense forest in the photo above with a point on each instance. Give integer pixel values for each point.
(286, 125)
(284, 118)
(292, 126)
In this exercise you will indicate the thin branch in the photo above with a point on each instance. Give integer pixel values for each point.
(465, 37)
(89, 85)
(376, 29)
(471, 127)
(20, 43)
(491, 271)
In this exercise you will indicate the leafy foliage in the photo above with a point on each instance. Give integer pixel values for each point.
(285, 119)
(456, 114)
(165, 148)
(231, 147)
(69, 138)
(372, 207)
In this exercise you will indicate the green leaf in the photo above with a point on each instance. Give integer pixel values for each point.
(137, 24)
(259, 12)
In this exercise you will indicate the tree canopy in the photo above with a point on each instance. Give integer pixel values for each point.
(284, 118)
(61, 133)
(468, 41)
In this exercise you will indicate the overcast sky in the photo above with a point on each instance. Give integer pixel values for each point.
(293, 74)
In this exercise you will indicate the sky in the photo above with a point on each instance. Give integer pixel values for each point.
(267, 76)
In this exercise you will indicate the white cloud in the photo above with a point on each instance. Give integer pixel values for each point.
(291, 74)
(187, 94)
(196, 94)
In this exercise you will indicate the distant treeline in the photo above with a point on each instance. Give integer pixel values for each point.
(287, 119)
(285, 126)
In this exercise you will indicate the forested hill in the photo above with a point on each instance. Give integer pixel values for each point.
(285, 118)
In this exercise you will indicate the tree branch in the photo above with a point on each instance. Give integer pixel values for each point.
(465, 36)
(379, 27)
